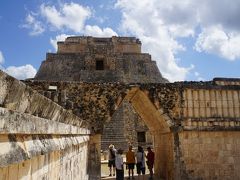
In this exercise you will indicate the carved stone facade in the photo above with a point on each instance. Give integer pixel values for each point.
(116, 59)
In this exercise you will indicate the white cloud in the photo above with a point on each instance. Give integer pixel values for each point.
(159, 24)
(58, 38)
(95, 31)
(21, 72)
(70, 16)
(142, 19)
(198, 76)
(1, 58)
(33, 24)
(98, 32)
(215, 41)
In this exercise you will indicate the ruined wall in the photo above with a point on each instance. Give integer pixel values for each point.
(122, 61)
(189, 121)
(38, 138)
(94, 103)
(113, 131)
(80, 44)
(132, 125)
(205, 129)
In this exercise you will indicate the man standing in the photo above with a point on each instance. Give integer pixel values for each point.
(130, 160)
(150, 161)
(111, 159)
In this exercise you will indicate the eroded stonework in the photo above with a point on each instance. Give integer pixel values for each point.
(52, 129)
(89, 59)
(115, 60)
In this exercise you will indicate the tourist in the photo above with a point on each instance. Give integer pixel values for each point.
(119, 165)
(130, 161)
(111, 160)
(140, 156)
(150, 161)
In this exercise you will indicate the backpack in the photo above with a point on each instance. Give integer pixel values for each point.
(112, 154)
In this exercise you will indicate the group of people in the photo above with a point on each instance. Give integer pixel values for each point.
(115, 162)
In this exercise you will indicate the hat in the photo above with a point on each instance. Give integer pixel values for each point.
(111, 146)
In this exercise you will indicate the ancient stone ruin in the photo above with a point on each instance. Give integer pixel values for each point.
(104, 60)
(51, 129)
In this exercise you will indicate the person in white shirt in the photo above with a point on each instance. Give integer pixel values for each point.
(140, 156)
(119, 165)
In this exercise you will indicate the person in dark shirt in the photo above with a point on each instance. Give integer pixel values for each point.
(150, 161)
(111, 159)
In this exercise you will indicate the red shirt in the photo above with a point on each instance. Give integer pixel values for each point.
(150, 157)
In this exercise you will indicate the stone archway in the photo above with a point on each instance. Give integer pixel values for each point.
(159, 125)
(96, 103)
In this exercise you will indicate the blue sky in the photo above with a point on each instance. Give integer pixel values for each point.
(190, 40)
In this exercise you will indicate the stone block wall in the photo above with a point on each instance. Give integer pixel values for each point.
(94, 104)
(38, 138)
(81, 44)
(69, 163)
(215, 103)
(182, 140)
(121, 58)
(211, 155)
(164, 155)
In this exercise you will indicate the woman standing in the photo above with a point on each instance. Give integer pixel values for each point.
(140, 156)
(119, 165)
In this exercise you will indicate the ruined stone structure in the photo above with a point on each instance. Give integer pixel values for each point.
(195, 125)
(52, 129)
(88, 59)
(116, 59)
(38, 138)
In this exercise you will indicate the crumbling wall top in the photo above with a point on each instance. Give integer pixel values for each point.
(79, 44)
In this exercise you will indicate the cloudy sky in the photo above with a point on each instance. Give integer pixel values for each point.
(190, 40)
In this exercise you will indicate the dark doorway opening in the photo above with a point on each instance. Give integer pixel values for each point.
(141, 136)
(99, 64)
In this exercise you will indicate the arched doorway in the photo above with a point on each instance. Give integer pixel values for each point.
(159, 125)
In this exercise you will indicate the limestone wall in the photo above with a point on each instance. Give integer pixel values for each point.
(211, 155)
(189, 121)
(121, 59)
(81, 44)
(214, 103)
(164, 148)
(38, 138)
(68, 163)
(94, 103)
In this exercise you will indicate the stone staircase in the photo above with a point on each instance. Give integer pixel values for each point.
(113, 132)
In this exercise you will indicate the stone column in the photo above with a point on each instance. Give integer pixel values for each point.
(164, 157)
(94, 157)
